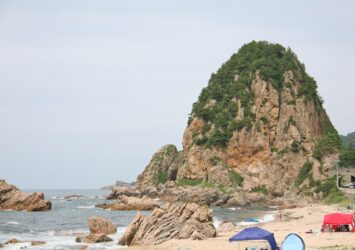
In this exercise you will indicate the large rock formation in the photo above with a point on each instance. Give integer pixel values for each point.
(13, 198)
(259, 127)
(174, 221)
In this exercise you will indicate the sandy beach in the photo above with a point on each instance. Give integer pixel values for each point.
(297, 220)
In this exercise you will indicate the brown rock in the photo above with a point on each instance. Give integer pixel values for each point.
(83, 247)
(93, 238)
(12, 198)
(117, 191)
(226, 227)
(238, 199)
(73, 196)
(131, 203)
(37, 243)
(12, 241)
(174, 221)
(99, 225)
(199, 195)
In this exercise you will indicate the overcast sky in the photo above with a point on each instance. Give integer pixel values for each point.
(89, 90)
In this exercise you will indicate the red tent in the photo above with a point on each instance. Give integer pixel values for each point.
(337, 219)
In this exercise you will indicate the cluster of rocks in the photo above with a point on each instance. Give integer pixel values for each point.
(124, 202)
(14, 199)
(130, 198)
(16, 241)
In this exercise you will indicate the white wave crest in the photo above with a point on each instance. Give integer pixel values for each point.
(216, 222)
(12, 223)
(87, 207)
(266, 218)
(234, 208)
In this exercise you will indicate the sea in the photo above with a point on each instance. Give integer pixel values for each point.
(68, 218)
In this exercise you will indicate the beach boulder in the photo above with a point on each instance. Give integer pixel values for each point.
(13, 198)
(101, 225)
(226, 227)
(173, 221)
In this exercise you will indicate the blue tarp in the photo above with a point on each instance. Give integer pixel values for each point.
(255, 233)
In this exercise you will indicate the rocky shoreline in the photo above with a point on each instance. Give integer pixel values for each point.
(172, 192)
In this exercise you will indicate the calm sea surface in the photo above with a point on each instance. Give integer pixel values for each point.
(67, 217)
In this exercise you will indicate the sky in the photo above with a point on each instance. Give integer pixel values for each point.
(89, 90)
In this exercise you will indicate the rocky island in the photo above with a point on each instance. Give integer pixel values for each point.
(258, 133)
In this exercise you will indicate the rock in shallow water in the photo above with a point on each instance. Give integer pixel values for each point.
(101, 225)
(174, 221)
(93, 238)
(13, 198)
(12, 241)
(37, 243)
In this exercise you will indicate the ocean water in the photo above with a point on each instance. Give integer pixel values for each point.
(67, 218)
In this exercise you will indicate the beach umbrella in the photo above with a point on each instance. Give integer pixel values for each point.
(293, 242)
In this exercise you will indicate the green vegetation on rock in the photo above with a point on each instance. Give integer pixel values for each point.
(189, 182)
(330, 191)
(236, 178)
(347, 156)
(328, 144)
(217, 104)
(304, 173)
(295, 147)
(349, 138)
(260, 189)
(162, 177)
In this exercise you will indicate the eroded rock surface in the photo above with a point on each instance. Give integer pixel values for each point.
(174, 221)
(99, 225)
(13, 198)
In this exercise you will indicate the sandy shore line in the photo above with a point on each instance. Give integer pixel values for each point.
(297, 220)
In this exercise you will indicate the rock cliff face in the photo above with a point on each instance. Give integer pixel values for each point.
(259, 127)
(13, 198)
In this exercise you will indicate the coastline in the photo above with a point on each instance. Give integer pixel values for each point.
(295, 220)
